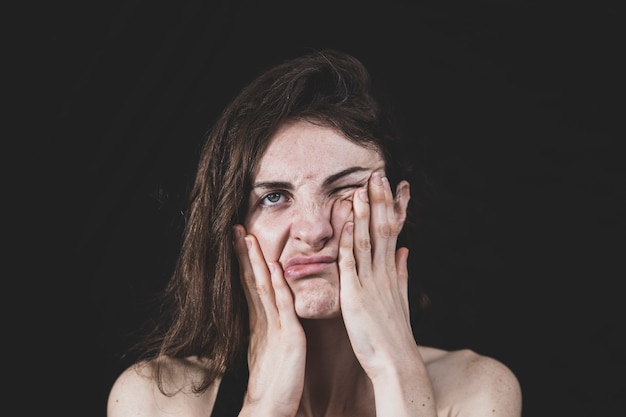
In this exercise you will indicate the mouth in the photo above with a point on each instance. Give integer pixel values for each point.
(300, 267)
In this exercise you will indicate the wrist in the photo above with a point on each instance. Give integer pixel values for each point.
(404, 388)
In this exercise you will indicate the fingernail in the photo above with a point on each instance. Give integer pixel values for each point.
(376, 179)
(248, 242)
(349, 227)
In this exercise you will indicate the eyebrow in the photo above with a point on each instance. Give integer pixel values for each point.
(328, 181)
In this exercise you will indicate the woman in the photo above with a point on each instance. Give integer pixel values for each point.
(289, 297)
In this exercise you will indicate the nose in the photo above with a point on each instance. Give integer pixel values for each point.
(312, 225)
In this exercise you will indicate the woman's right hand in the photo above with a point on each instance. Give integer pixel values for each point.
(277, 350)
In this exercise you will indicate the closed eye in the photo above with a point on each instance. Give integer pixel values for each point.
(346, 191)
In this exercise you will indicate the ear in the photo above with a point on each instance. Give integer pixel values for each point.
(401, 201)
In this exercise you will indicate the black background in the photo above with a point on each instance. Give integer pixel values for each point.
(516, 106)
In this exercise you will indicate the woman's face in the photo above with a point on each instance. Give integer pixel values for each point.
(301, 197)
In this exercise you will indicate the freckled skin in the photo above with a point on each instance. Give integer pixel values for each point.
(305, 155)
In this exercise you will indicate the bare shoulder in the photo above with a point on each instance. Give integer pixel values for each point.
(135, 392)
(468, 384)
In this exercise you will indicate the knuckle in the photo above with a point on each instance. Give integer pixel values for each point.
(364, 244)
(349, 263)
(261, 289)
(385, 230)
(389, 230)
(249, 280)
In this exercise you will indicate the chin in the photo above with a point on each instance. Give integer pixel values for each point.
(314, 301)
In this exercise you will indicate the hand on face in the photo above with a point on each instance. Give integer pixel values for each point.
(374, 276)
(373, 295)
(277, 351)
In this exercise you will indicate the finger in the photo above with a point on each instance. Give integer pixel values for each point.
(393, 225)
(254, 275)
(349, 279)
(380, 229)
(246, 273)
(263, 288)
(361, 240)
(283, 296)
(397, 216)
(402, 256)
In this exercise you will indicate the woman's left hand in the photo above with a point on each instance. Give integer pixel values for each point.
(374, 278)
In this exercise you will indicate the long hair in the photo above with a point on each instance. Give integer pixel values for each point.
(204, 309)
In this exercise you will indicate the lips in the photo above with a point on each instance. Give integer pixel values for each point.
(300, 267)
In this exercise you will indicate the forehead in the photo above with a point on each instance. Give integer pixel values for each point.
(302, 149)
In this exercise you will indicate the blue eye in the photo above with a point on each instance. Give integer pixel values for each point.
(272, 199)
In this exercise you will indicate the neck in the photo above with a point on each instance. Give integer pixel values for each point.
(335, 383)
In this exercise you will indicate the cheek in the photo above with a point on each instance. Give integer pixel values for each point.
(271, 237)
